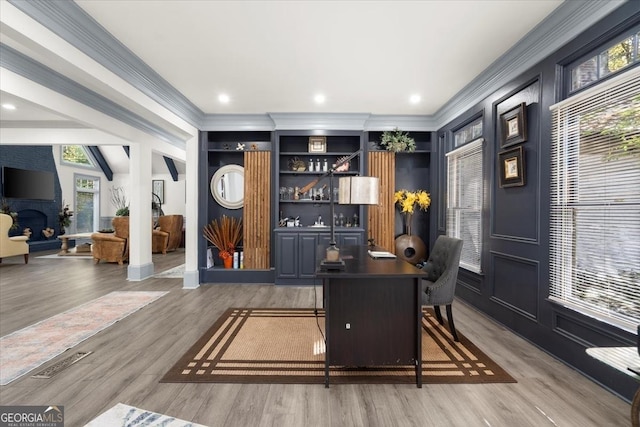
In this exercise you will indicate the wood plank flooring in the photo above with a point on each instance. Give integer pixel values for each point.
(130, 357)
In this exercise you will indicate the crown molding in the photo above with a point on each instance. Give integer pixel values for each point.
(73, 24)
(560, 27)
(237, 122)
(26, 67)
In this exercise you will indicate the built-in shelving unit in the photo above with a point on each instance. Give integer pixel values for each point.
(220, 149)
(296, 246)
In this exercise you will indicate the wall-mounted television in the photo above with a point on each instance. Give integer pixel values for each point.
(27, 184)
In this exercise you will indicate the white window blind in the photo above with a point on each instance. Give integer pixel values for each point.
(595, 201)
(464, 201)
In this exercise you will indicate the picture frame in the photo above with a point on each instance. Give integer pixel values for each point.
(317, 144)
(511, 167)
(513, 125)
(158, 189)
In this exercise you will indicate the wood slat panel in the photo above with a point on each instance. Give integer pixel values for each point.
(257, 203)
(382, 164)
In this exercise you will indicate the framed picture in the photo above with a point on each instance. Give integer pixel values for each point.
(317, 144)
(513, 124)
(158, 189)
(511, 167)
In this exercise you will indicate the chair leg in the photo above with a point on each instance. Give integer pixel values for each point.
(436, 308)
(451, 326)
(26, 258)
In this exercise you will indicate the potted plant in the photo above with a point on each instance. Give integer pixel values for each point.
(6, 209)
(119, 200)
(225, 235)
(64, 217)
(397, 140)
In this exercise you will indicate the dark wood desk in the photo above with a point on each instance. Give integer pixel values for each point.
(373, 312)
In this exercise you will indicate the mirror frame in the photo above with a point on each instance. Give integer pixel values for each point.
(214, 185)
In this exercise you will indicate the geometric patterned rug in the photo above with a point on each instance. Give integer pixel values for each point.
(30, 347)
(123, 415)
(283, 346)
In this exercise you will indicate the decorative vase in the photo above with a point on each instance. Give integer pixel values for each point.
(62, 231)
(228, 262)
(410, 247)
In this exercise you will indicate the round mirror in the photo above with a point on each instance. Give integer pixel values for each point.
(227, 186)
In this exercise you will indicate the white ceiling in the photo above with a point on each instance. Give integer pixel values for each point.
(274, 56)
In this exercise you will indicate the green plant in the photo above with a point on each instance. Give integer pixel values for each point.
(6, 209)
(119, 200)
(397, 140)
(64, 215)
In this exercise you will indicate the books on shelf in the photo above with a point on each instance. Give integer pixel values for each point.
(381, 254)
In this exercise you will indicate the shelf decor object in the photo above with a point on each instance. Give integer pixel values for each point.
(317, 144)
(410, 246)
(397, 141)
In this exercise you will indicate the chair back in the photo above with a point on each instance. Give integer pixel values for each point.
(442, 269)
(172, 224)
(5, 224)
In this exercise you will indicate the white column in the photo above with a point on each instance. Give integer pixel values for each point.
(191, 274)
(140, 261)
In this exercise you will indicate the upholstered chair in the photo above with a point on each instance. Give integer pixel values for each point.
(11, 246)
(442, 274)
(168, 234)
(112, 247)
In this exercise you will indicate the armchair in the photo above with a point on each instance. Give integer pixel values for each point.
(168, 235)
(112, 247)
(442, 274)
(11, 246)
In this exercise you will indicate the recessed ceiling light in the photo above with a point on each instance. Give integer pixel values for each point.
(8, 106)
(319, 98)
(414, 99)
(223, 98)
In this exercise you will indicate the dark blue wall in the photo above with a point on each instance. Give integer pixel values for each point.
(514, 286)
(34, 158)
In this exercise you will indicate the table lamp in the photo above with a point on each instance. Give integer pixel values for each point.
(353, 190)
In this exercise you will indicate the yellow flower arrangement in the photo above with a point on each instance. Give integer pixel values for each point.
(407, 201)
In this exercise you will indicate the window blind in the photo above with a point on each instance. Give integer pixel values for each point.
(464, 201)
(595, 201)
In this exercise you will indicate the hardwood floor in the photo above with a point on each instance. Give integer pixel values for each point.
(130, 357)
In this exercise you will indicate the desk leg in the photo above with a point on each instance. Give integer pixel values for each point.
(635, 410)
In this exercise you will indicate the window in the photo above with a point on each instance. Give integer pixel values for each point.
(610, 60)
(464, 201)
(87, 210)
(595, 201)
(77, 155)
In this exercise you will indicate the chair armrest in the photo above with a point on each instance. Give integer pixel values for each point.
(19, 238)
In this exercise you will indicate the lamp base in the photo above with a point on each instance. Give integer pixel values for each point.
(332, 265)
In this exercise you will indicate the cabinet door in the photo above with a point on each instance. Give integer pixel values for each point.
(307, 249)
(287, 256)
(350, 239)
(325, 239)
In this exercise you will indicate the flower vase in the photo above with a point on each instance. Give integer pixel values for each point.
(228, 262)
(62, 231)
(410, 247)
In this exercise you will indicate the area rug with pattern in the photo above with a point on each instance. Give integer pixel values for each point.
(123, 415)
(283, 346)
(28, 348)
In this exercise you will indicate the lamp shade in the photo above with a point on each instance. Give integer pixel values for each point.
(358, 190)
